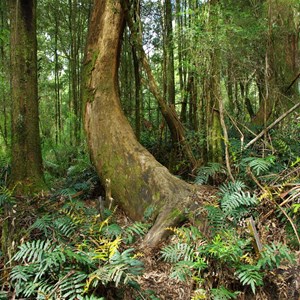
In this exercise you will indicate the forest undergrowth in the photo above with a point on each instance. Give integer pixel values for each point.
(70, 244)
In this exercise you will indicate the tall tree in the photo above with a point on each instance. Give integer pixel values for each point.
(4, 65)
(26, 173)
(138, 181)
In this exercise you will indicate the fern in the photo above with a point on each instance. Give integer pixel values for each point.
(216, 218)
(177, 252)
(235, 203)
(136, 229)
(205, 172)
(182, 270)
(259, 165)
(231, 202)
(44, 224)
(6, 196)
(231, 187)
(33, 251)
(250, 275)
(274, 254)
(122, 269)
(72, 285)
(187, 234)
(221, 293)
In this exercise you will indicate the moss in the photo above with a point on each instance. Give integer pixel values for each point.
(88, 68)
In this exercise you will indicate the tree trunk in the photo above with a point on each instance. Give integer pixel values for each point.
(138, 181)
(27, 175)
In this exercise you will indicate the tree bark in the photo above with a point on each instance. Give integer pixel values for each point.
(27, 174)
(138, 181)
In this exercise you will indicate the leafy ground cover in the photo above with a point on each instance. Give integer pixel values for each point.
(66, 245)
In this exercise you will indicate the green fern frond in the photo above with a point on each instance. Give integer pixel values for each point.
(231, 187)
(205, 172)
(186, 234)
(136, 229)
(177, 252)
(44, 224)
(230, 202)
(182, 270)
(6, 196)
(274, 254)
(250, 275)
(33, 251)
(91, 297)
(65, 226)
(72, 285)
(259, 165)
(216, 218)
(221, 293)
(122, 269)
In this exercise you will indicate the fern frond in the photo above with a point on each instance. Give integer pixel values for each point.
(274, 254)
(182, 270)
(136, 229)
(205, 172)
(260, 165)
(177, 252)
(72, 285)
(231, 187)
(221, 293)
(186, 234)
(33, 251)
(65, 226)
(216, 218)
(230, 202)
(250, 275)
(6, 196)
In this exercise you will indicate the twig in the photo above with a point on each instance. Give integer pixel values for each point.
(264, 131)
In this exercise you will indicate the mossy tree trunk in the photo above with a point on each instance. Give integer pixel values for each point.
(137, 179)
(26, 174)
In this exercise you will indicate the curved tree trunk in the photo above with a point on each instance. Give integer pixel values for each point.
(137, 179)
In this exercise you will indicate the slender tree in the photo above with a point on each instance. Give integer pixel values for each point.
(27, 173)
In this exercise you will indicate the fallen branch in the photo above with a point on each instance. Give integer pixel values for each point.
(264, 131)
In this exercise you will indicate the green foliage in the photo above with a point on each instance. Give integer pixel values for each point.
(137, 229)
(122, 269)
(273, 255)
(235, 202)
(228, 249)
(6, 196)
(221, 293)
(177, 252)
(74, 255)
(250, 275)
(207, 172)
(259, 165)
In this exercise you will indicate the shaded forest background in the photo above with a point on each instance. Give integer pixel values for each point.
(228, 72)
